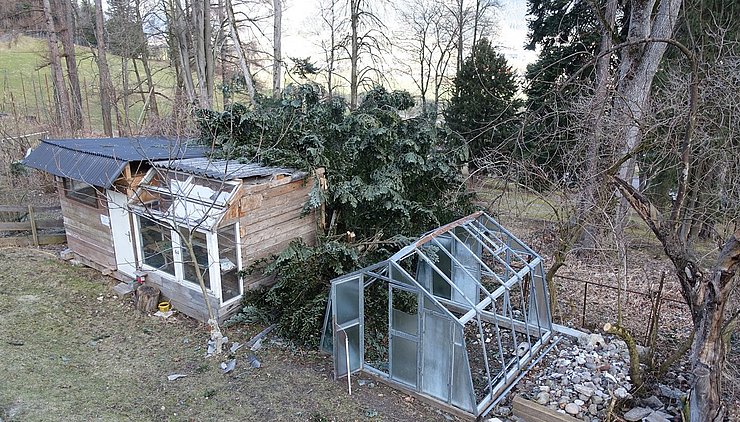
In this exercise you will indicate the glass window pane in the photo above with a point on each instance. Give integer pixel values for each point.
(156, 246)
(81, 192)
(404, 360)
(348, 300)
(201, 254)
(228, 261)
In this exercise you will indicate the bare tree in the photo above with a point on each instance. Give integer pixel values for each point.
(61, 95)
(330, 33)
(106, 86)
(277, 69)
(638, 64)
(243, 64)
(204, 56)
(365, 39)
(430, 39)
(67, 32)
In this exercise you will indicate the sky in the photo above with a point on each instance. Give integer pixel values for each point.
(300, 20)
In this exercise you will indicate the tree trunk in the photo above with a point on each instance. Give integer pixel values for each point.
(152, 96)
(60, 88)
(708, 350)
(277, 74)
(588, 201)
(354, 52)
(103, 72)
(147, 298)
(460, 23)
(239, 52)
(201, 40)
(125, 88)
(67, 36)
(183, 49)
(637, 68)
(706, 293)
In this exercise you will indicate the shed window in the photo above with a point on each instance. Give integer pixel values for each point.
(228, 249)
(81, 192)
(200, 247)
(156, 245)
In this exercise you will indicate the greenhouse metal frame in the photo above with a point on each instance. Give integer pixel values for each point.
(467, 313)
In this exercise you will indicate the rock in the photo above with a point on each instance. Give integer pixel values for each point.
(621, 393)
(653, 403)
(575, 379)
(504, 411)
(657, 417)
(582, 389)
(494, 420)
(681, 379)
(544, 389)
(543, 398)
(610, 377)
(670, 392)
(593, 409)
(591, 340)
(572, 408)
(597, 399)
(579, 402)
(637, 414)
(580, 361)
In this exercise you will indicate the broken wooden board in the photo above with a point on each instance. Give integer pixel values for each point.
(530, 411)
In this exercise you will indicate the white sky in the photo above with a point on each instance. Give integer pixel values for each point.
(300, 19)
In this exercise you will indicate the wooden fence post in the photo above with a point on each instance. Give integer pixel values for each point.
(34, 232)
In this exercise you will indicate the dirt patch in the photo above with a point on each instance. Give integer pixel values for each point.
(73, 351)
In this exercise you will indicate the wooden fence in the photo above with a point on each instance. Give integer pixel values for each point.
(26, 219)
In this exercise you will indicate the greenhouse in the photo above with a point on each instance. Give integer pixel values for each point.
(455, 317)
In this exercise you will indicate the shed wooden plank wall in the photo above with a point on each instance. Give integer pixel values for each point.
(184, 299)
(87, 236)
(270, 218)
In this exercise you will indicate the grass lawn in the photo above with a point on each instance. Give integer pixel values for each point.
(71, 351)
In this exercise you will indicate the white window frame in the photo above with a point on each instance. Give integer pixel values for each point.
(214, 265)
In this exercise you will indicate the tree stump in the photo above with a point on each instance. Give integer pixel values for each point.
(147, 298)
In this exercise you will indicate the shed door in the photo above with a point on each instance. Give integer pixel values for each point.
(348, 325)
(120, 226)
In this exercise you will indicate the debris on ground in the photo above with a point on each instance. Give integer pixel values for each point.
(173, 377)
(253, 361)
(164, 315)
(228, 366)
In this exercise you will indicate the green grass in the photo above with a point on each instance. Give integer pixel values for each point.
(73, 352)
(24, 70)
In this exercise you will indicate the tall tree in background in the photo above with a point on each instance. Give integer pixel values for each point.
(366, 39)
(67, 32)
(61, 95)
(106, 85)
(330, 34)
(430, 41)
(483, 107)
(204, 53)
(277, 64)
(241, 56)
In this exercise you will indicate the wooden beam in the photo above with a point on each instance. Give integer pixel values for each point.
(530, 411)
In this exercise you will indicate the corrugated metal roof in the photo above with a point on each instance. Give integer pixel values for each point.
(224, 169)
(99, 161)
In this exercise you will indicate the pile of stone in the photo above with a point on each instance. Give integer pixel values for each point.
(581, 377)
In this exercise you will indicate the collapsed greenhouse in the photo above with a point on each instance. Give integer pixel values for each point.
(455, 317)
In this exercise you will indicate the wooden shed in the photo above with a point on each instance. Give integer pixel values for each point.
(128, 202)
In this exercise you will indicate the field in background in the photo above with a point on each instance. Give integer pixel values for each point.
(28, 93)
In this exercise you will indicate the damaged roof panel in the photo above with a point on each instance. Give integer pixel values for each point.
(223, 169)
(99, 161)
